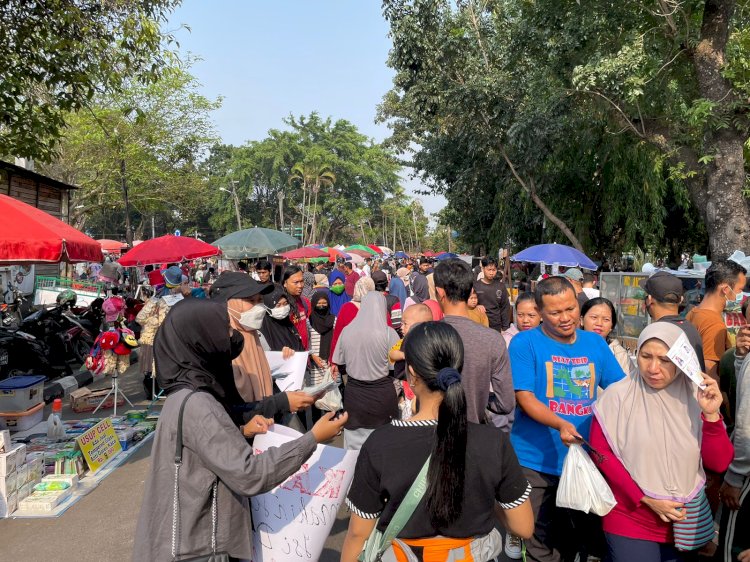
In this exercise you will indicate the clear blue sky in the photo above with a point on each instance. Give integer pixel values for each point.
(270, 58)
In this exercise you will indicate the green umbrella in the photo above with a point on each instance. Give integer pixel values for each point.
(363, 248)
(255, 243)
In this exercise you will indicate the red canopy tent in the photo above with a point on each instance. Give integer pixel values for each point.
(29, 235)
(304, 253)
(168, 249)
(112, 246)
(374, 247)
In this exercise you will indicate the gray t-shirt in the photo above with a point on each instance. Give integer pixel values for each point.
(486, 368)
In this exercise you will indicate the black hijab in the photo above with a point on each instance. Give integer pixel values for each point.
(193, 349)
(279, 333)
(322, 322)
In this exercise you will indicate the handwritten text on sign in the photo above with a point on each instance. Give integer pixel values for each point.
(99, 444)
(293, 521)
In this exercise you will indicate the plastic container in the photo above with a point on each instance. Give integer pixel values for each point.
(18, 394)
(21, 421)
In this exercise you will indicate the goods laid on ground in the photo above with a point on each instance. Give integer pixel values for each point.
(44, 476)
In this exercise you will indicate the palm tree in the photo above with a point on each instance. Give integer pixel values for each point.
(298, 175)
(311, 176)
(323, 177)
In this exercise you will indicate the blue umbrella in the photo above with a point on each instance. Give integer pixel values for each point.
(401, 255)
(446, 256)
(555, 253)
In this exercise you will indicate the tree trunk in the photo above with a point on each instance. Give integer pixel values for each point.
(530, 188)
(719, 195)
(124, 184)
(304, 200)
(315, 213)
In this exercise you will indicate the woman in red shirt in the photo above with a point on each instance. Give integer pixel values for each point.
(293, 283)
(652, 434)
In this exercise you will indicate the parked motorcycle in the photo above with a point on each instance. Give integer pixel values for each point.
(67, 337)
(10, 308)
(22, 353)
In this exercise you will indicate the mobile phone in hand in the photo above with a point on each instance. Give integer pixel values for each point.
(337, 415)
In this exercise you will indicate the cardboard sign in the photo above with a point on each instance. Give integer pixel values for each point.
(99, 444)
(293, 521)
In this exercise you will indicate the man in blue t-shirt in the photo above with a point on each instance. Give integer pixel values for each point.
(556, 370)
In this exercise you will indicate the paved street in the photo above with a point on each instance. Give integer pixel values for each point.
(101, 526)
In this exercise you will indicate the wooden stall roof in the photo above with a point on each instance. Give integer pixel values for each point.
(21, 171)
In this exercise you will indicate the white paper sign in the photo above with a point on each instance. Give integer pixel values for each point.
(293, 521)
(288, 374)
(683, 355)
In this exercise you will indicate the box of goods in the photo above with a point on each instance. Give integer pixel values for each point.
(21, 421)
(20, 455)
(36, 468)
(9, 460)
(5, 443)
(43, 501)
(18, 394)
(125, 437)
(8, 484)
(85, 400)
(69, 462)
(8, 505)
(22, 474)
(70, 479)
(24, 491)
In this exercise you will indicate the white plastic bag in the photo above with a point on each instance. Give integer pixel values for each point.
(582, 486)
(55, 428)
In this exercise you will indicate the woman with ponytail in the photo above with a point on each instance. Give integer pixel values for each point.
(472, 469)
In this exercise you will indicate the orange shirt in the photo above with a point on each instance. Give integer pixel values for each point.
(713, 331)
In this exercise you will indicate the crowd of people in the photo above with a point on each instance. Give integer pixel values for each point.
(448, 383)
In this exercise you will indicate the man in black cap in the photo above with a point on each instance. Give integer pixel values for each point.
(664, 293)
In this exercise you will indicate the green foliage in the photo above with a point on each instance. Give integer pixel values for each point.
(161, 131)
(358, 191)
(57, 56)
(564, 91)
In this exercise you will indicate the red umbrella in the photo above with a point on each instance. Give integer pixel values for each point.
(29, 235)
(360, 253)
(112, 246)
(429, 254)
(168, 249)
(304, 253)
(374, 247)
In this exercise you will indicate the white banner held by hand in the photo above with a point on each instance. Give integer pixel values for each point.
(293, 521)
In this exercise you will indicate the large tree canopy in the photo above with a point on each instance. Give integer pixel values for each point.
(595, 118)
(56, 55)
(318, 175)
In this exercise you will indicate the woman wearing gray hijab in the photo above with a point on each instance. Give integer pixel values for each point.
(362, 354)
(653, 434)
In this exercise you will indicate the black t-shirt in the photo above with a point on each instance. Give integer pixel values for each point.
(692, 334)
(494, 298)
(492, 474)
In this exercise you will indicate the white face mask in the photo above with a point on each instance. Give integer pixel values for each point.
(280, 312)
(252, 319)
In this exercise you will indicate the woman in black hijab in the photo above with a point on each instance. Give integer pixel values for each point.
(321, 335)
(193, 350)
(278, 330)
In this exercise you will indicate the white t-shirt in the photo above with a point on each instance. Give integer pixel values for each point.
(591, 292)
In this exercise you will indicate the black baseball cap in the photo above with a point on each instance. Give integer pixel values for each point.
(664, 287)
(237, 285)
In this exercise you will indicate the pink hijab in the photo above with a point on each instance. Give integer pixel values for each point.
(656, 434)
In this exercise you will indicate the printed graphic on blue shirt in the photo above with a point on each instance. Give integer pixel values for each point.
(570, 380)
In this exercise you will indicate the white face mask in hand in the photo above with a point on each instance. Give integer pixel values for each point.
(281, 312)
(251, 319)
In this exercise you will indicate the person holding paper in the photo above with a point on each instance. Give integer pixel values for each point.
(653, 435)
(473, 474)
(193, 352)
(252, 375)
